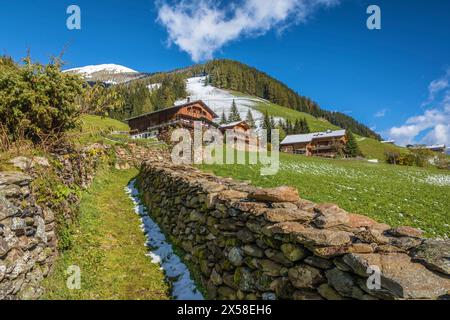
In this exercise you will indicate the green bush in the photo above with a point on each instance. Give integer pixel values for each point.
(417, 158)
(101, 101)
(397, 158)
(37, 101)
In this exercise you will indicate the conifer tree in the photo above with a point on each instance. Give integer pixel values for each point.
(272, 123)
(268, 124)
(250, 120)
(223, 119)
(289, 127)
(305, 128)
(282, 130)
(234, 113)
(351, 149)
(297, 127)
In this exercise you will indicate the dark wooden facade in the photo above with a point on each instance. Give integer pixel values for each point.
(178, 116)
(322, 144)
(240, 129)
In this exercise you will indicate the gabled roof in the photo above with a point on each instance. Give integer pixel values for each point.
(431, 147)
(176, 108)
(233, 124)
(309, 137)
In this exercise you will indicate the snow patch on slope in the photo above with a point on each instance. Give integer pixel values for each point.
(154, 86)
(109, 68)
(220, 100)
(183, 287)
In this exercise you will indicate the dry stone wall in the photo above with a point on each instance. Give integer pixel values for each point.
(28, 227)
(249, 243)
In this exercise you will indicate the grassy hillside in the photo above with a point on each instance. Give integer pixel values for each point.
(391, 194)
(290, 114)
(374, 149)
(371, 148)
(93, 128)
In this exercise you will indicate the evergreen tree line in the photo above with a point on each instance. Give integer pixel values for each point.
(268, 125)
(234, 116)
(232, 75)
(299, 126)
(140, 98)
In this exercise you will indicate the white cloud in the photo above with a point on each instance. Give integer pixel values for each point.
(446, 101)
(436, 86)
(433, 126)
(381, 113)
(439, 135)
(201, 27)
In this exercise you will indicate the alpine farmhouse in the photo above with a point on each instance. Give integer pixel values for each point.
(323, 144)
(159, 124)
(239, 129)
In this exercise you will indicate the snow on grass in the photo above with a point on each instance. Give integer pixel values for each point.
(435, 179)
(154, 86)
(220, 100)
(183, 287)
(356, 173)
(324, 169)
(438, 180)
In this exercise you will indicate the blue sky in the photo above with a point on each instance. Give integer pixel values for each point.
(395, 80)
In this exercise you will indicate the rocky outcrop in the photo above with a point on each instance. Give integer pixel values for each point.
(25, 163)
(435, 254)
(248, 243)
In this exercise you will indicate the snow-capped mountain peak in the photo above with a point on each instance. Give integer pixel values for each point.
(106, 68)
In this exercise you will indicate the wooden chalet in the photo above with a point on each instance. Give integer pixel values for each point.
(439, 148)
(240, 130)
(159, 123)
(324, 144)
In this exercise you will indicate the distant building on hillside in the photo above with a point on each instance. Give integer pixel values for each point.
(323, 144)
(441, 148)
(388, 142)
(240, 130)
(159, 123)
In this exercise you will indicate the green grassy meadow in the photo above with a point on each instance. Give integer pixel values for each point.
(396, 195)
(94, 128)
(373, 149)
